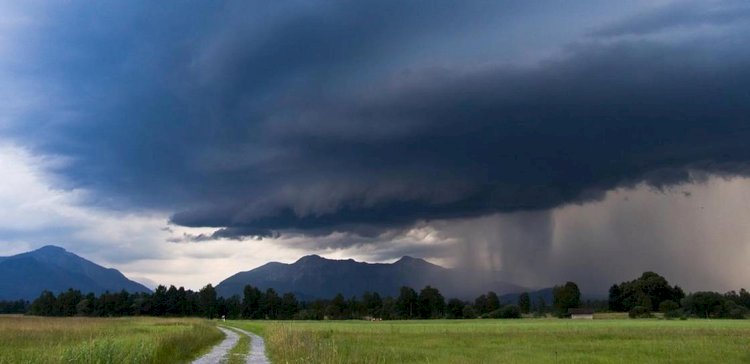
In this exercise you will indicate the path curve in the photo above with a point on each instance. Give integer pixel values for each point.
(221, 350)
(257, 353)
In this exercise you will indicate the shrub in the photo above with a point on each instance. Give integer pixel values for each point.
(673, 314)
(506, 312)
(737, 313)
(668, 305)
(469, 312)
(704, 304)
(734, 311)
(671, 309)
(639, 312)
(511, 312)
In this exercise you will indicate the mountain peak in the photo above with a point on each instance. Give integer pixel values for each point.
(55, 269)
(49, 251)
(409, 259)
(51, 248)
(310, 258)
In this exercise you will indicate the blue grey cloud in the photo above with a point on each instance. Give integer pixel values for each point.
(364, 117)
(682, 15)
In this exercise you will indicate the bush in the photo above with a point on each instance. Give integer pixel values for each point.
(469, 312)
(670, 309)
(738, 313)
(668, 305)
(639, 312)
(734, 311)
(506, 312)
(704, 304)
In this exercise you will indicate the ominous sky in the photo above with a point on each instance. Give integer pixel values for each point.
(182, 142)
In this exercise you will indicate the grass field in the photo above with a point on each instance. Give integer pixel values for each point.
(99, 340)
(151, 340)
(507, 341)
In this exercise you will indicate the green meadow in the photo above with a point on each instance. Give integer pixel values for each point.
(506, 341)
(104, 340)
(612, 339)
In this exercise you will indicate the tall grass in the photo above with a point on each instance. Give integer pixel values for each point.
(291, 345)
(98, 340)
(507, 341)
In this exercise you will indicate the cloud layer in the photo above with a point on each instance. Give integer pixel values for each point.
(331, 118)
(372, 119)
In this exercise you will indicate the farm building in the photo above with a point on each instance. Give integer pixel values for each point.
(581, 313)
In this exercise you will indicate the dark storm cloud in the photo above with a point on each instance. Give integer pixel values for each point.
(231, 233)
(340, 116)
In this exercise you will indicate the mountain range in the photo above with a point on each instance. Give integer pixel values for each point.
(26, 275)
(313, 277)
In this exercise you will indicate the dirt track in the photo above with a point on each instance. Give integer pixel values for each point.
(257, 348)
(219, 353)
(220, 350)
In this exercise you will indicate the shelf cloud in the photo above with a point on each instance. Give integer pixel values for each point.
(368, 119)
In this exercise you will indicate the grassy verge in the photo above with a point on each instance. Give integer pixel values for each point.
(512, 341)
(240, 350)
(99, 340)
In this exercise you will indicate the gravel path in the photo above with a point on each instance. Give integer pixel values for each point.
(257, 348)
(219, 351)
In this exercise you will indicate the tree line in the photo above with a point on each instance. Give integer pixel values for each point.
(640, 298)
(254, 303)
(10, 307)
(652, 293)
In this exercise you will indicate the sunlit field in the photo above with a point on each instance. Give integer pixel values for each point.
(507, 341)
(104, 340)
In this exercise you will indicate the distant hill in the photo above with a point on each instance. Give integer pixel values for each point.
(315, 277)
(26, 275)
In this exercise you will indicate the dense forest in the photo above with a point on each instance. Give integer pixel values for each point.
(640, 298)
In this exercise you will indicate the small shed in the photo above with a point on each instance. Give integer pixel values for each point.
(581, 313)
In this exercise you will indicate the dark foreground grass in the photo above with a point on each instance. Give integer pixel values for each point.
(100, 340)
(507, 341)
